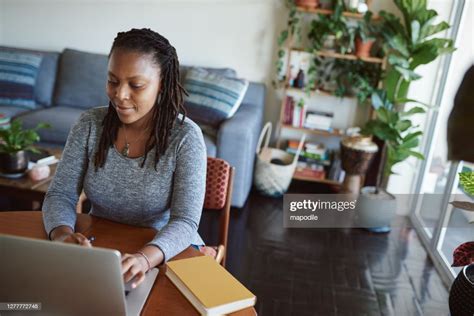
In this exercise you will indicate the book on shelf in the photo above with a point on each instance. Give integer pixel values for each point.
(318, 120)
(310, 171)
(288, 111)
(208, 286)
(313, 151)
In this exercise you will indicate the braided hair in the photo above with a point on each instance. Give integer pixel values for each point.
(168, 104)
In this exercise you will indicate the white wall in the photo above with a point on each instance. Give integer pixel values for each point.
(215, 33)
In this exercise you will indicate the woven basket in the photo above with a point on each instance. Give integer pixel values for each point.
(274, 179)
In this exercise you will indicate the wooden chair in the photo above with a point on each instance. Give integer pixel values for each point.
(219, 182)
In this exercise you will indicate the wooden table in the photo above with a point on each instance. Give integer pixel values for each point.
(25, 189)
(164, 299)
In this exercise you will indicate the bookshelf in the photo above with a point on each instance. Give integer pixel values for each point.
(340, 56)
(288, 124)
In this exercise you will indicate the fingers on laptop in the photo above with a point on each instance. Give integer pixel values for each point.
(133, 268)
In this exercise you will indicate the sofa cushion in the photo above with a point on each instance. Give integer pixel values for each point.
(18, 73)
(81, 80)
(225, 72)
(212, 98)
(60, 118)
(11, 110)
(46, 75)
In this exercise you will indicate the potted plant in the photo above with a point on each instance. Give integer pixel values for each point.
(310, 4)
(330, 32)
(15, 142)
(366, 34)
(462, 290)
(408, 45)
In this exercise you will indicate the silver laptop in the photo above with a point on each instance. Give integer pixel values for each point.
(66, 279)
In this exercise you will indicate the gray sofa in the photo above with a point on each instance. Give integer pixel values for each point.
(72, 81)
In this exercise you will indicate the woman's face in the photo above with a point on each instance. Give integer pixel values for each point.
(132, 85)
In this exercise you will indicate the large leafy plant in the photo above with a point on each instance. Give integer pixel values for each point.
(409, 44)
(14, 138)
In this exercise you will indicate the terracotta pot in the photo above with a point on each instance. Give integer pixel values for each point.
(363, 48)
(310, 4)
(462, 292)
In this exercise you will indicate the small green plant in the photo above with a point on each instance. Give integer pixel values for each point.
(331, 25)
(466, 179)
(14, 138)
(367, 29)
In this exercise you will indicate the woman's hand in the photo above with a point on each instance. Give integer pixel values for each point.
(134, 267)
(67, 235)
(74, 238)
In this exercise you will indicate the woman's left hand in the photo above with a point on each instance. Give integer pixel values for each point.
(134, 266)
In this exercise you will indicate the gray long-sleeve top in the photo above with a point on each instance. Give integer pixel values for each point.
(169, 199)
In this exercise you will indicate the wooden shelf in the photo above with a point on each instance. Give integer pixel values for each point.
(348, 14)
(311, 179)
(330, 54)
(335, 133)
(318, 92)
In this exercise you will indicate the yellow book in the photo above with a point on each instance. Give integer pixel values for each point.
(208, 286)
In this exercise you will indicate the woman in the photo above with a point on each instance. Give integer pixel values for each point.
(139, 160)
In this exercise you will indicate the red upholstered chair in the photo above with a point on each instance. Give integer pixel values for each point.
(219, 181)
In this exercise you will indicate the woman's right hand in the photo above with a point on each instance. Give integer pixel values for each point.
(65, 234)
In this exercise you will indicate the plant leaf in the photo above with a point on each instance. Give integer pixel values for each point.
(415, 32)
(415, 110)
(403, 125)
(467, 206)
(408, 75)
(463, 254)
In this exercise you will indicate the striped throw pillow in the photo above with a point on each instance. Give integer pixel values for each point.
(18, 72)
(212, 98)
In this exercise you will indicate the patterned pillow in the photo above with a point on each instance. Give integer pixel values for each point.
(18, 72)
(212, 98)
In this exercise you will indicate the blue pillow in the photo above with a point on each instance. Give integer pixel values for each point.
(212, 98)
(18, 72)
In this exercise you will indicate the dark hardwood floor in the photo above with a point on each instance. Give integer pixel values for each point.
(328, 271)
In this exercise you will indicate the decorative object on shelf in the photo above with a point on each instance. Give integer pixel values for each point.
(310, 4)
(352, 5)
(299, 80)
(462, 290)
(274, 167)
(356, 154)
(15, 142)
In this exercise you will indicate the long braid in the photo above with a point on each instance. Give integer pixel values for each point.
(168, 105)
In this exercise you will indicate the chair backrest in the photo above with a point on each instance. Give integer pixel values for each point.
(219, 182)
